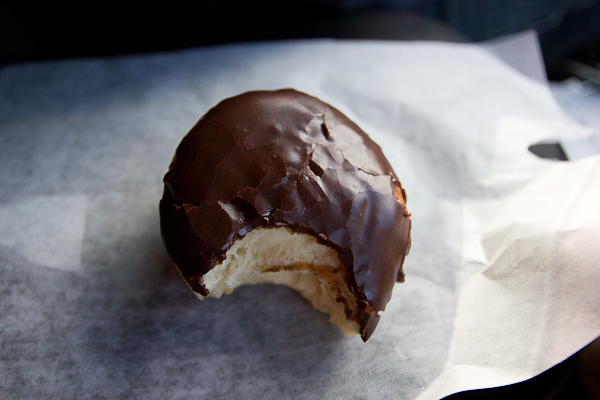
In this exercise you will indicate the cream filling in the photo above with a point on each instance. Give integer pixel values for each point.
(282, 257)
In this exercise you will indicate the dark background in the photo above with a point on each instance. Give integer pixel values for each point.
(64, 29)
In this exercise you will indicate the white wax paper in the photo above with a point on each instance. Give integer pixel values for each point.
(498, 287)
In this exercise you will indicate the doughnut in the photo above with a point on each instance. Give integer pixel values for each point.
(279, 187)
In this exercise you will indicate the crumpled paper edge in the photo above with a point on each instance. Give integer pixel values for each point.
(541, 256)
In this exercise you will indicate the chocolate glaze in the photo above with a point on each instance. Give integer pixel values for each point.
(283, 158)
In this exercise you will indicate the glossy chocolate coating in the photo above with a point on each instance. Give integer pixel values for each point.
(283, 158)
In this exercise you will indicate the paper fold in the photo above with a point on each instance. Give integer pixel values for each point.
(536, 300)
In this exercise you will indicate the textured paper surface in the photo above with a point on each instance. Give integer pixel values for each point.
(84, 145)
(581, 100)
(536, 298)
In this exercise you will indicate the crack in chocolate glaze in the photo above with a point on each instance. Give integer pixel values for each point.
(283, 158)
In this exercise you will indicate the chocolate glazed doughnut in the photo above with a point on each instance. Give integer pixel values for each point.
(279, 187)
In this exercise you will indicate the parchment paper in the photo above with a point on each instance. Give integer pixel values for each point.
(499, 278)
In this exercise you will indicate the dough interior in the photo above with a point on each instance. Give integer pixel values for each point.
(296, 260)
